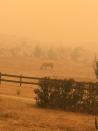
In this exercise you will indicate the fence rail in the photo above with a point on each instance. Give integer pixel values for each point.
(21, 79)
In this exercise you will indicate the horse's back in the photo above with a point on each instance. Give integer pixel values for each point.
(47, 65)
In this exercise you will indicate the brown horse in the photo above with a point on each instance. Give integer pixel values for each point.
(46, 66)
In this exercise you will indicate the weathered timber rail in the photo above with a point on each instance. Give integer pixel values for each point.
(19, 79)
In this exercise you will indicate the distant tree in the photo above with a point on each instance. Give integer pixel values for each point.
(79, 55)
(51, 54)
(64, 52)
(38, 52)
(15, 51)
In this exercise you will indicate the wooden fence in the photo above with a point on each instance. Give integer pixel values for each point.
(19, 79)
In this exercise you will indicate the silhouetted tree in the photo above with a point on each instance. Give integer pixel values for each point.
(96, 68)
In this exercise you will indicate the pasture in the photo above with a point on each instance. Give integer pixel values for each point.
(20, 113)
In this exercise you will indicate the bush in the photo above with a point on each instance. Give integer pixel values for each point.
(68, 95)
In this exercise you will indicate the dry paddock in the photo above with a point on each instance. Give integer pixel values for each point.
(20, 113)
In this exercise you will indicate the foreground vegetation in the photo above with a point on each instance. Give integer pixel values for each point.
(68, 95)
(18, 114)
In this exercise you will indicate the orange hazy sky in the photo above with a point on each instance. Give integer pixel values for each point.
(63, 21)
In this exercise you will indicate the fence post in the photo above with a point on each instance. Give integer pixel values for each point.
(0, 77)
(20, 80)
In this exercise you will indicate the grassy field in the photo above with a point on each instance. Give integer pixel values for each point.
(62, 69)
(20, 113)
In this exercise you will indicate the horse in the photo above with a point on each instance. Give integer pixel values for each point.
(47, 65)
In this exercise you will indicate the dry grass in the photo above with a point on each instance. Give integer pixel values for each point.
(19, 112)
(62, 68)
(22, 115)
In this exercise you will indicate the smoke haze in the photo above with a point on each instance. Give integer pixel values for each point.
(51, 22)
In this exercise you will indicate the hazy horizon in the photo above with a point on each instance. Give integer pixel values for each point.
(51, 22)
